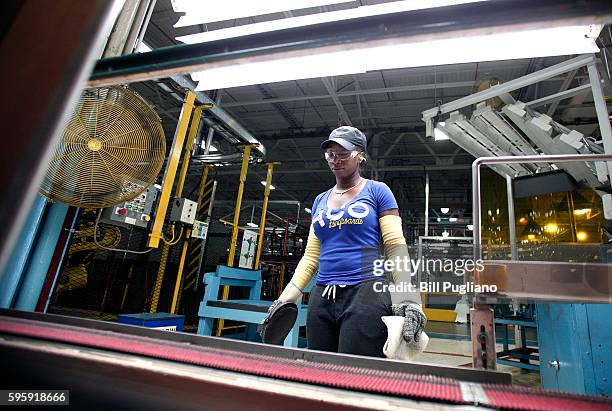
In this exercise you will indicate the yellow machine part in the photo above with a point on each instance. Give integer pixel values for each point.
(83, 238)
(72, 278)
(75, 276)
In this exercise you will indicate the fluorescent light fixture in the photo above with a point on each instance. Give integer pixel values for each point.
(197, 12)
(452, 219)
(445, 210)
(445, 234)
(440, 135)
(263, 183)
(250, 224)
(502, 46)
(470, 227)
(308, 210)
(308, 20)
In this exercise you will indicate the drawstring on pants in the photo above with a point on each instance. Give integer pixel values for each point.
(330, 291)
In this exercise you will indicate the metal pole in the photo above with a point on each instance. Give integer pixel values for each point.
(211, 130)
(262, 222)
(17, 263)
(56, 263)
(203, 242)
(170, 173)
(572, 216)
(208, 219)
(426, 204)
(243, 174)
(127, 286)
(511, 218)
(179, 276)
(518, 340)
(167, 184)
(137, 27)
(602, 111)
(193, 132)
(235, 227)
(38, 266)
(145, 24)
(476, 217)
(117, 40)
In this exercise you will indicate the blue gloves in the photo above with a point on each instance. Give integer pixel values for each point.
(414, 320)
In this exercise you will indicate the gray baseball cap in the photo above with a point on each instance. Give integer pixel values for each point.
(348, 137)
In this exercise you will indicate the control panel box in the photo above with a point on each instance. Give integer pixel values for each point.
(136, 212)
(183, 211)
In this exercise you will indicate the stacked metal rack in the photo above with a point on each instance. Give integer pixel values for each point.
(517, 129)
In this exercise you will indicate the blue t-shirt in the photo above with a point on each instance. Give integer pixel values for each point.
(350, 236)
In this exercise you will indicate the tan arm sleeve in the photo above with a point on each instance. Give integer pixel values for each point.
(395, 247)
(309, 263)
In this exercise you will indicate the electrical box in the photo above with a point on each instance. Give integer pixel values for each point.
(136, 212)
(183, 211)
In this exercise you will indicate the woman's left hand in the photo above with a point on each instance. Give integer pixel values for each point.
(414, 320)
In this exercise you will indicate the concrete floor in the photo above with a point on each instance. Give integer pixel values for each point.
(456, 349)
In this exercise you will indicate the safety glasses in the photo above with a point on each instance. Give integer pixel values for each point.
(339, 155)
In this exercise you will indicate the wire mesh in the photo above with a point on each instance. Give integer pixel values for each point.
(111, 150)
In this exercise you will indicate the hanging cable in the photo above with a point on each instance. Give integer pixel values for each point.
(178, 238)
(95, 237)
(171, 232)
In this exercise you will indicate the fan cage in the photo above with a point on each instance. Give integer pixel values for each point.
(112, 149)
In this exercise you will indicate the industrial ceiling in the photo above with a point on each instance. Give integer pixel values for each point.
(291, 118)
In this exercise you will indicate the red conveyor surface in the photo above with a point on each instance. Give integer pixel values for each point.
(309, 372)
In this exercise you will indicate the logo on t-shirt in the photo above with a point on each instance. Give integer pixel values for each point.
(353, 214)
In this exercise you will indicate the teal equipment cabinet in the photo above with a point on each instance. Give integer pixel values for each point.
(575, 343)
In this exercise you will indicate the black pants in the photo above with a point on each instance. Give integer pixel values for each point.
(351, 322)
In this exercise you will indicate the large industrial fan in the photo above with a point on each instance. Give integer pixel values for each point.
(112, 149)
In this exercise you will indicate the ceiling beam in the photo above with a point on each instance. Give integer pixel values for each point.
(564, 86)
(356, 92)
(416, 167)
(331, 89)
(363, 92)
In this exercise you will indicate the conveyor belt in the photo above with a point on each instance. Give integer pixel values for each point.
(305, 370)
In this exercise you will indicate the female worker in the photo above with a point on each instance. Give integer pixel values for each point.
(348, 223)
